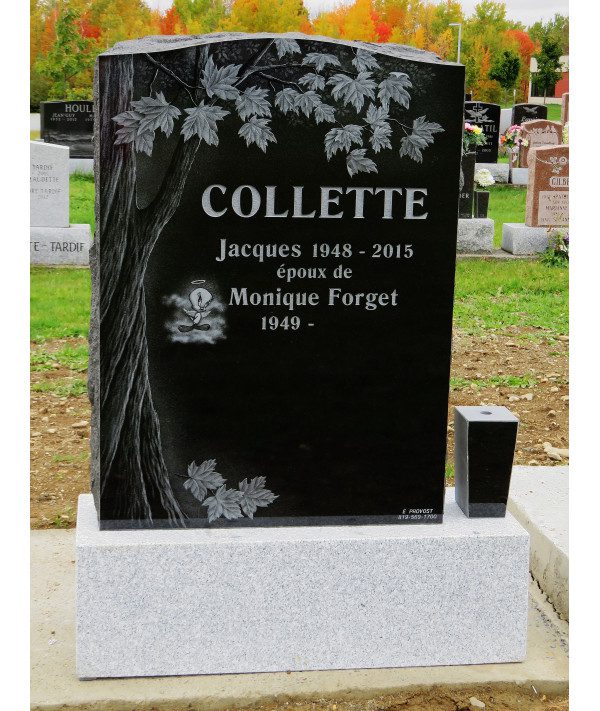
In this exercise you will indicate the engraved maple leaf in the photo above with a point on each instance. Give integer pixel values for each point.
(156, 113)
(219, 81)
(202, 478)
(225, 502)
(254, 494)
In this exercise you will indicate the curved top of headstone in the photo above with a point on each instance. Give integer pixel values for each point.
(166, 43)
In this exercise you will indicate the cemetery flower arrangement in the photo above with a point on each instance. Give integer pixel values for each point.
(472, 137)
(513, 138)
(483, 178)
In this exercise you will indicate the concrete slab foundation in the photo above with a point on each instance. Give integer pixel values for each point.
(539, 500)
(518, 238)
(55, 686)
(53, 246)
(499, 171)
(198, 601)
(475, 235)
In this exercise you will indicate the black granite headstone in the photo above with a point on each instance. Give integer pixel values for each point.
(484, 448)
(488, 117)
(466, 185)
(273, 289)
(69, 123)
(528, 112)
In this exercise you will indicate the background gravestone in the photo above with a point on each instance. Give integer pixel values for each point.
(48, 185)
(69, 123)
(488, 117)
(564, 109)
(272, 304)
(466, 185)
(539, 133)
(52, 239)
(548, 187)
(528, 112)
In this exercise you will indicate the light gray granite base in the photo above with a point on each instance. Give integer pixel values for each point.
(518, 238)
(81, 165)
(55, 246)
(499, 171)
(197, 601)
(475, 235)
(519, 176)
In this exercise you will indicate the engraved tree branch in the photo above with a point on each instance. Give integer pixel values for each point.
(321, 88)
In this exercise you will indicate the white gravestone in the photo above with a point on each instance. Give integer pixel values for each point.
(52, 239)
(49, 185)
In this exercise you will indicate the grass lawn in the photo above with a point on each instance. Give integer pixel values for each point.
(507, 204)
(60, 303)
(493, 295)
(554, 112)
(82, 199)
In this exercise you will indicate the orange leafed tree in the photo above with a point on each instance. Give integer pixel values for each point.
(171, 23)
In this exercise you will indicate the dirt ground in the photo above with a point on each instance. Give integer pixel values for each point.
(432, 699)
(60, 424)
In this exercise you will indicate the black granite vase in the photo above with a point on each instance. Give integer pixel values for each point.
(485, 439)
(482, 202)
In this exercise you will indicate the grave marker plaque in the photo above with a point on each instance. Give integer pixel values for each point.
(488, 117)
(548, 187)
(539, 133)
(69, 123)
(272, 304)
(528, 112)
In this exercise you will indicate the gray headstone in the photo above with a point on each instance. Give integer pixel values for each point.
(57, 246)
(49, 185)
(505, 119)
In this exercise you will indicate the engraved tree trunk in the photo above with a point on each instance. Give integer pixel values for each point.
(134, 485)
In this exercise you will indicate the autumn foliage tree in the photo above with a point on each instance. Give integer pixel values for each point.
(488, 32)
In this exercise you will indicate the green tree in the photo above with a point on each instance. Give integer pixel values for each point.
(200, 16)
(505, 69)
(69, 63)
(548, 65)
(556, 29)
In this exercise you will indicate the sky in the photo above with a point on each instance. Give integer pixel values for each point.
(525, 11)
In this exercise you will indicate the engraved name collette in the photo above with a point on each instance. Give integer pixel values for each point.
(328, 202)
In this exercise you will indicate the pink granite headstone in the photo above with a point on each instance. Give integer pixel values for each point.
(564, 109)
(540, 132)
(548, 187)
